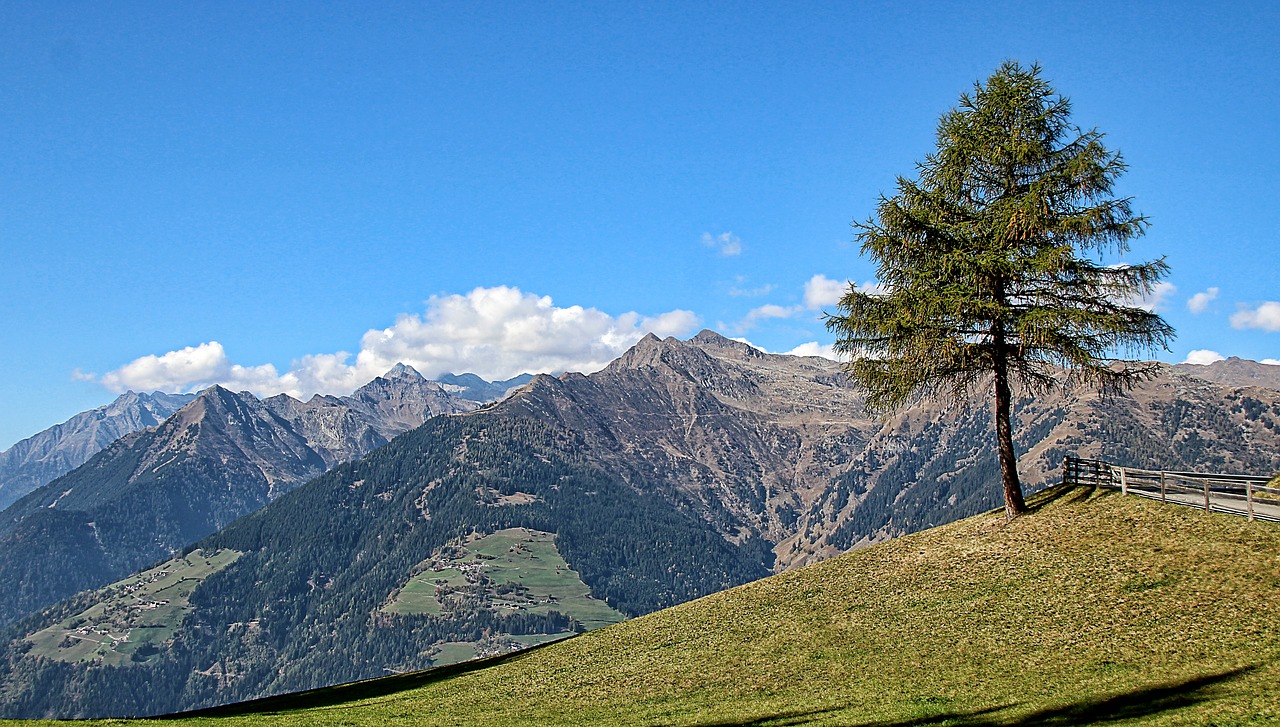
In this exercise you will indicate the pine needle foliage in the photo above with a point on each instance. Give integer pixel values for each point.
(990, 264)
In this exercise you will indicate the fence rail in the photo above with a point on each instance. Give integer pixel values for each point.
(1247, 495)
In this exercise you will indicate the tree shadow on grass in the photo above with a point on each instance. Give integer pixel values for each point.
(800, 717)
(1071, 493)
(345, 694)
(1145, 702)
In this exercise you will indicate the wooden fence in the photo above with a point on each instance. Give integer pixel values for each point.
(1246, 495)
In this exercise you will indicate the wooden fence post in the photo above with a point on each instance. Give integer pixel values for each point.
(1082, 472)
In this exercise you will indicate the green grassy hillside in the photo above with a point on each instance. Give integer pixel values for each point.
(510, 571)
(1096, 608)
(132, 619)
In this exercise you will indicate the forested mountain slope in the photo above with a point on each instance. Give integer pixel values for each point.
(1095, 608)
(304, 603)
(155, 491)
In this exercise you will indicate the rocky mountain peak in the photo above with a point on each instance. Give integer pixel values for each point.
(215, 392)
(463, 380)
(128, 398)
(402, 400)
(1235, 371)
(399, 382)
(215, 405)
(285, 403)
(708, 339)
(478, 391)
(403, 372)
(648, 352)
(706, 360)
(133, 401)
(219, 398)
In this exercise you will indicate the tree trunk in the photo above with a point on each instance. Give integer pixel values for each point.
(1014, 505)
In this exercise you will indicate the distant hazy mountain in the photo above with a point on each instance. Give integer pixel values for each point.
(682, 468)
(59, 449)
(402, 399)
(221, 456)
(1236, 372)
(40, 458)
(474, 388)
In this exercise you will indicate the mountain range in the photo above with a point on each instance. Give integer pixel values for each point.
(220, 456)
(682, 468)
(780, 448)
(47, 455)
(41, 458)
(474, 388)
(1235, 371)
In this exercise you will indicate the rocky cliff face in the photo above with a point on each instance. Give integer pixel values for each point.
(402, 399)
(746, 438)
(328, 425)
(57, 450)
(780, 447)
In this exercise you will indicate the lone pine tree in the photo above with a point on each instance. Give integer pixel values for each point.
(987, 270)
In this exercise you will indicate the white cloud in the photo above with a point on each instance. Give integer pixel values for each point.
(1270, 361)
(190, 368)
(1265, 317)
(727, 242)
(494, 332)
(765, 289)
(1198, 302)
(764, 312)
(770, 310)
(1203, 357)
(1155, 302)
(813, 348)
(821, 291)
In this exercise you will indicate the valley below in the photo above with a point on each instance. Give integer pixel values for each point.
(1095, 608)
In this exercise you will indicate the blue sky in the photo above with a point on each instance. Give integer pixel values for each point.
(246, 192)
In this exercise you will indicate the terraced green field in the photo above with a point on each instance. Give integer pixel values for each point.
(134, 617)
(512, 570)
